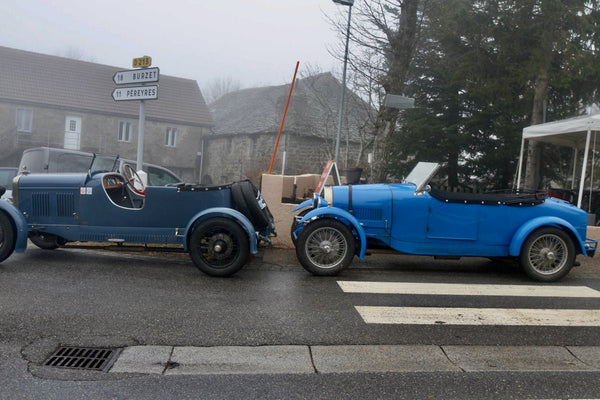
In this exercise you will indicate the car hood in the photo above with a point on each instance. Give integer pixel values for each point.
(27, 181)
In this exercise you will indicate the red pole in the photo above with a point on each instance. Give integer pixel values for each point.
(283, 119)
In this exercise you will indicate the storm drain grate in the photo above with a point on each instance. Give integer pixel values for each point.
(83, 358)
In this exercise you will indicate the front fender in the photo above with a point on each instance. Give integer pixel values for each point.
(342, 215)
(227, 213)
(20, 225)
(316, 202)
(525, 230)
(304, 204)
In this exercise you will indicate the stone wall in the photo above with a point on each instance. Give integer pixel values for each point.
(99, 133)
(230, 158)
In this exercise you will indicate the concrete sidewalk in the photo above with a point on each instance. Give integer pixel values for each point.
(294, 359)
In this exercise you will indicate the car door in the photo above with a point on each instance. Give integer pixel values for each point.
(452, 221)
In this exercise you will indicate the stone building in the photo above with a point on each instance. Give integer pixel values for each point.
(247, 123)
(59, 102)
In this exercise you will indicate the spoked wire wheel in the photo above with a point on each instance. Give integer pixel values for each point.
(548, 254)
(325, 247)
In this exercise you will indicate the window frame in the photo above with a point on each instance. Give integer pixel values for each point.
(24, 120)
(171, 137)
(124, 135)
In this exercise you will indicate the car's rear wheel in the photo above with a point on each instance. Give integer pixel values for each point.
(7, 237)
(46, 241)
(547, 255)
(219, 247)
(325, 247)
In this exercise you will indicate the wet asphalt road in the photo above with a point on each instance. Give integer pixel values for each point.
(89, 298)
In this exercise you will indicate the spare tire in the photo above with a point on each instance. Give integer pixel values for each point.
(239, 203)
(248, 200)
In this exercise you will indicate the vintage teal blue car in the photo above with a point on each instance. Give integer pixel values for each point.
(544, 234)
(219, 225)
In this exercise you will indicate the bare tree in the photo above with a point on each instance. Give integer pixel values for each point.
(74, 53)
(218, 87)
(383, 35)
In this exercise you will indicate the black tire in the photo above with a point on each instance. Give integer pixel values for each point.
(259, 215)
(7, 237)
(46, 241)
(219, 247)
(325, 247)
(238, 200)
(547, 255)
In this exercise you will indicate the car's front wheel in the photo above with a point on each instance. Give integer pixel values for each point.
(7, 237)
(219, 247)
(547, 255)
(325, 247)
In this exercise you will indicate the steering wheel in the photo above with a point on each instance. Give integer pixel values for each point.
(133, 180)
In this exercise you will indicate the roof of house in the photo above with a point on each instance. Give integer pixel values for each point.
(58, 82)
(313, 109)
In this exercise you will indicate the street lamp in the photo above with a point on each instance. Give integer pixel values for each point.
(348, 3)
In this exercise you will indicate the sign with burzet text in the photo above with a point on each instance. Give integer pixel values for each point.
(143, 75)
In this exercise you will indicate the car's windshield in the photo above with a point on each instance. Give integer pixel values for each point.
(422, 174)
(103, 163)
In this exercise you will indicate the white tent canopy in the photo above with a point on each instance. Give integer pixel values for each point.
(572, 132)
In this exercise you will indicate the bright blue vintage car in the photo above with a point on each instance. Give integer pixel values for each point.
(218, 225)
(544, 234)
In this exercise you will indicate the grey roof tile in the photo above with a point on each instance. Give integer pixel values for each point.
(53, 81)
(313, 109)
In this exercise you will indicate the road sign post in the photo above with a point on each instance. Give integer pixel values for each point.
(142, 75)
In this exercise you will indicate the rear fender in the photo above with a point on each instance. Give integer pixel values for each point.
(226, 213)
(342, 216)
(526, 229)
(19, 223)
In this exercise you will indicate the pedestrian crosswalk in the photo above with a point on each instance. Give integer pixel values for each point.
(466, 289)
(474, 316)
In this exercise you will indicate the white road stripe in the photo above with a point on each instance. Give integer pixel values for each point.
(467, 289)
(478, 316)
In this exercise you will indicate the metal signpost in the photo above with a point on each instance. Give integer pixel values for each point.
(138, 76)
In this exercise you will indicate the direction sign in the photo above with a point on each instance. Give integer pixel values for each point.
(136, 93)
(141, 62)
(397, 101)
(143, 75)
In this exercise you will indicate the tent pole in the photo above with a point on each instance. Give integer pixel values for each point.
(520, 163)
(583, 169)
(592, 174)
(574, 167)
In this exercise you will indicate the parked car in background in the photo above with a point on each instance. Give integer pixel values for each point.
(544, 234)
(218, 225)
(6, 180)
(52, 160)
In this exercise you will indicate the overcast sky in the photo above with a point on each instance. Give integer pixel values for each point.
(255, 42)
